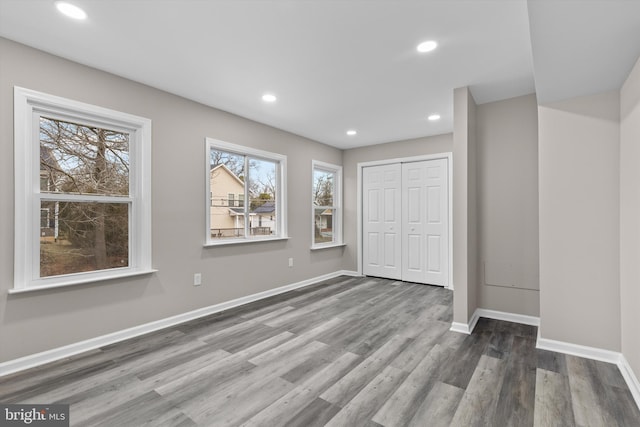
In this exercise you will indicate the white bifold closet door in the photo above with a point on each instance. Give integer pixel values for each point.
(405, 226)
(381, 188)
(424, 222)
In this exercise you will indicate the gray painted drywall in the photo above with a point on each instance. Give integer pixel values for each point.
(43, 320)
(579, 170)
(473, 237)
(465, 233)
(393, 150)
(507, 135)
(630, 218)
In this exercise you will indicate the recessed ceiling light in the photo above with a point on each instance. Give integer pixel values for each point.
(351, 132)
(269, 97)
(434, 117)
(70, 10)
(427, 46)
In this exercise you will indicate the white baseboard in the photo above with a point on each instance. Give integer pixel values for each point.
(462, 328)
(596, 354)
(630, 378)
(493, 314)
(578, 350)
(508, 317)
(465, 328)
(52, 355)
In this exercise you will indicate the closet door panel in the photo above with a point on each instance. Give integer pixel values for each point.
(381, 187)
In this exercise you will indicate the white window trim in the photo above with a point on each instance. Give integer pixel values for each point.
(27, 188)
(281, 185)
(337, 203)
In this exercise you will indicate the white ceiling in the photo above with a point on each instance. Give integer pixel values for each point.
(582, 47)
(341, 64)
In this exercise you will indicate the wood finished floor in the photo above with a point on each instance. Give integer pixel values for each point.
(346, 352)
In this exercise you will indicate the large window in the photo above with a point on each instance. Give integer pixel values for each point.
(83, 210)
(326, 205)
(258, 179)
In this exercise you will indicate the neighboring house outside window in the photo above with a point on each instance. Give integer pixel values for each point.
(226, 219)
(264, 215)
(326, 205)
(88, 216)
(257, 177)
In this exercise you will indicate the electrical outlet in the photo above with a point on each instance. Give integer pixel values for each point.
(197, 279)
(290, 262)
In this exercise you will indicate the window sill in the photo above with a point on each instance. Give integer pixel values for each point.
(243, 241)
(81, 281)
(333, 245)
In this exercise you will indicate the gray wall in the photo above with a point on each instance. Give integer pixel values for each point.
(630, 218)
(507, 134)
(393, 150)
(465, 230)
(473, 237)
(579, 160)
(38, 321)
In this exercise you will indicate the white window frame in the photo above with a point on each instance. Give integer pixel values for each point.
(281, 191)
(28, 105)
(337, 204)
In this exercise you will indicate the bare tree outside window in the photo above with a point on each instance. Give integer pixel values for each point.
(323, 188)
(78, 159)
(323, 209)
(233, 162)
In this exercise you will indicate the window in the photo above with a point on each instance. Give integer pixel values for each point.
(83, 210)
(258, 178)
(326, 205)
(44, 219)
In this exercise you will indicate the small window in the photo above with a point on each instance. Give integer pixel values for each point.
(258, 178)
(91, 170)
(326, 205)
(44, 219)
